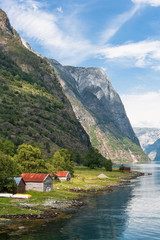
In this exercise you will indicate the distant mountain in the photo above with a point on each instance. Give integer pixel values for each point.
(33, 106)
(150, 141)
(99, 109)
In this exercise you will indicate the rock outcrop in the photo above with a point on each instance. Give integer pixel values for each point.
(99, 109)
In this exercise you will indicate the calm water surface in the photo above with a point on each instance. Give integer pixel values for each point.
(130, 212)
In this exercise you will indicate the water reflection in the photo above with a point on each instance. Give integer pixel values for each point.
(130, 212)
(143, 208)
(104, 217)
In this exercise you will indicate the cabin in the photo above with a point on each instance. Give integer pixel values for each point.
(21, 186)
(38, 181)
(127, 169)
(63, 175)
(122, 168)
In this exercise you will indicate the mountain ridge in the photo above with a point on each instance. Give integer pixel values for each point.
(104, 133)
(32, 103)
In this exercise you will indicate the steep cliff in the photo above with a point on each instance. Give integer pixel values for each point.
(99, 109)
(33, 106)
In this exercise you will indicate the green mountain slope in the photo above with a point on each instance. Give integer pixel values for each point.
(33, 106)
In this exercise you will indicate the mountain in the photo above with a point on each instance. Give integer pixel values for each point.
(33, 106)
(150, 141)
(99, 109)
(47, 116)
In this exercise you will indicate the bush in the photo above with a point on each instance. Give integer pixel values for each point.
(7, 185)
(8, 169)
(108, 165)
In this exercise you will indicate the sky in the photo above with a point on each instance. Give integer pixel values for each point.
(120, 36)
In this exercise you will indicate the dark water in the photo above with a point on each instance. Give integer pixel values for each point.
(130, 212)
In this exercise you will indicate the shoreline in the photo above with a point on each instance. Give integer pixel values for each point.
(57, 209)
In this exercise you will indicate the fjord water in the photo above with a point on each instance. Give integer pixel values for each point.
(130, 212)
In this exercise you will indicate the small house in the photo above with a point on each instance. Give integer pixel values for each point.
(21, 186)
(63, 175)
(127, 169)
(38, 181)
(122, 168)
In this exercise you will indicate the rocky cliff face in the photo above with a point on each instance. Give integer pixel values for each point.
(100, 111)
(150, 141)
(33, 106)
(5, 26)
(102, 100)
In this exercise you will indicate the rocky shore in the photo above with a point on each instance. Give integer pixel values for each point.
(52, 209)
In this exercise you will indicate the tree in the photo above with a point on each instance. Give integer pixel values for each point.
(1, 145)
(17, 78)
(76, 157)
(93, 158)
(108, 165)
(7, 147)
(62, 161)
(30, 160)
(8, 169)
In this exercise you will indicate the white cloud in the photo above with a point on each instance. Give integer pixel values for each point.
(114, 26)
(31, 3)
(157, 68)
(140, 54)
(59, 9)
(34, 22)
(143, 109)
(154, 3)
(58, 35)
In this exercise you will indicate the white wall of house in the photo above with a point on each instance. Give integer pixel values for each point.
(67, 178)
(48, 184)
(45, 186)
(62, 178)
(37, 186)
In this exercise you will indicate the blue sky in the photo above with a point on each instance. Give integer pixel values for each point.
(120, 36)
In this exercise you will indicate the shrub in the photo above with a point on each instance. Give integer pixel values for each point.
(108, 165)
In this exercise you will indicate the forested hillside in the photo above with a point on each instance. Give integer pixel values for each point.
(33, 106)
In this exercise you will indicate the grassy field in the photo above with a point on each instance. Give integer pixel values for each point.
(84, 179)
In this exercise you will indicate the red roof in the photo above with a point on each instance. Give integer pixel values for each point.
(34, 177)
(62, 173)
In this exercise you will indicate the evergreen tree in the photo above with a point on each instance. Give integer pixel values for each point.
(76, 157)
(93, 158)
(108, 165)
